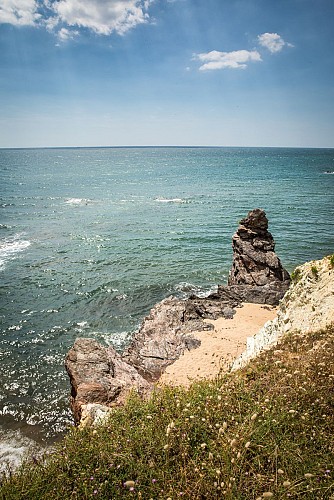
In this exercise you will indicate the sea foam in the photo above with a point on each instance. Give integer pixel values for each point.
(9, 247)
(77, 201)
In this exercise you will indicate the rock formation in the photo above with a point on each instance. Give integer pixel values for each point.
(100, 376)
(307, 306)
(254, 260)
(163, 336)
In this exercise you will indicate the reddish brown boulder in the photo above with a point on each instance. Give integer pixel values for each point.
(99, 375)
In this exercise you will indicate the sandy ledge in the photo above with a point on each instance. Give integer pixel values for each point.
(219, 346)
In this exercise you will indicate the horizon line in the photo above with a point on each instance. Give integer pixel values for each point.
(162, 147)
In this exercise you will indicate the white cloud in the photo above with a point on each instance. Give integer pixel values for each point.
(236, 59)
(100, 16)
(273, 42)
(19, 12)
(65, 34)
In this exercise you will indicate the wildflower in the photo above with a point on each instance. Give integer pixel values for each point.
(210, 456)
(170, 427)
(233, 443)
(247, 445)
(267, 494)
(280, 471)
(286, 483)
(129, 484)
(254, 417)
(308, 475)
(203, 445)
(224, 426)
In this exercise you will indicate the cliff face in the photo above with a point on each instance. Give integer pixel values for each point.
(307, 306)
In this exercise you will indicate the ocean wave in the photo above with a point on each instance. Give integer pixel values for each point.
(14, 447)
(78, 201)
(184, 290)
(9, 247)
(330, 172)
(170, 200)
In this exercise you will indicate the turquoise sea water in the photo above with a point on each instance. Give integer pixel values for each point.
(91, 239)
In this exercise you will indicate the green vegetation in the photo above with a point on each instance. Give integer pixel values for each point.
(296, 275)
(315, 272)
(331, 260)
(263, 432)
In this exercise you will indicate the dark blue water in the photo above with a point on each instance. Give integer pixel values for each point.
(91, 239)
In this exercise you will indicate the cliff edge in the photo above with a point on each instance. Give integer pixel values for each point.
(307, 306)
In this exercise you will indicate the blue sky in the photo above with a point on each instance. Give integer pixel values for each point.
(166, 72)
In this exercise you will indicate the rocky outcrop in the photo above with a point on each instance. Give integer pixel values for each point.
(101, 378)
(99, 375)
(254, 260)
(307, 306)
(163, 336)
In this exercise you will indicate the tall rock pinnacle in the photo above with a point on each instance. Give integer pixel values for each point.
(254, 259)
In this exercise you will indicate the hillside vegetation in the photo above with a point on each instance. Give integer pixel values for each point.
(265, 431)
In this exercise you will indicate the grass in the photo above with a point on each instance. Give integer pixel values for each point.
(265, 431)
(296, 275)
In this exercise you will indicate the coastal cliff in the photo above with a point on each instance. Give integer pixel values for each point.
(307, 306)
(99, 375)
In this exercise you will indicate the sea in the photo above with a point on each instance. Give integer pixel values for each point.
(92, 238)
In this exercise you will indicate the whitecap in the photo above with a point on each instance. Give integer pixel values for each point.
(170, 200)
(9, 247)
(329, 172)
(82, 323)
(77, 201)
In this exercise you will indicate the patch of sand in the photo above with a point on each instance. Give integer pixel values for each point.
(219, 347)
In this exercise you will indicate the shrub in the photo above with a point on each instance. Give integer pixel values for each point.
(315, 272)
(296, 275)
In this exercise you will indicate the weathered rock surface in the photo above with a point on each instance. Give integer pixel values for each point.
(99, 375)
(307, 306)
(254, 260)
(163, 336)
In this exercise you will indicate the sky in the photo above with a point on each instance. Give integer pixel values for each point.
(166, 72)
